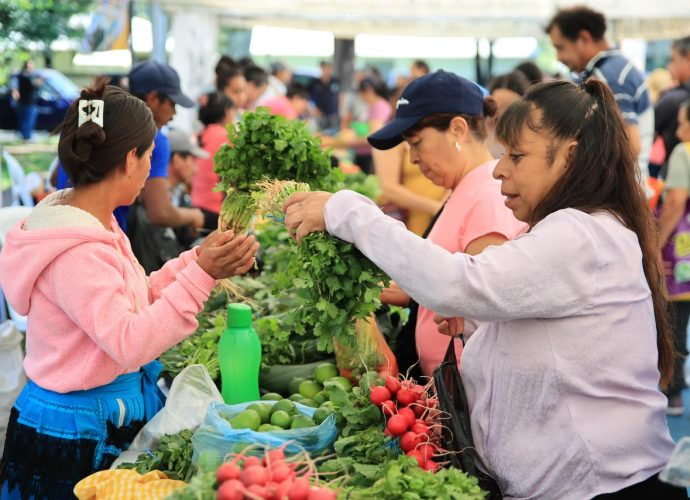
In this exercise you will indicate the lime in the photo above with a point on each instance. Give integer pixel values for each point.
(248, 419)
(309, 402)
(325, 371)
(271, 396)
(263, 410)
(343, 382)
(320, 398)
(321, 414)
(328, 405)
(309, 389)
(301, 422)
(296, 397)
(285, 405)
(293, 386)
(282, 419)
(269, 428)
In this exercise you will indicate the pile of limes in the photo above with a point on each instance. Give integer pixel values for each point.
(283, 414)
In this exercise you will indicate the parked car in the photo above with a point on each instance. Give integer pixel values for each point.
(53, 99)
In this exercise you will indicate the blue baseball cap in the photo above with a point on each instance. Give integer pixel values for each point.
(152, 76)
(437, 92)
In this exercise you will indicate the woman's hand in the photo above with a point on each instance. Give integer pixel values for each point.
(222, 254)
(449, 326)
(304, 213)
(393, 295)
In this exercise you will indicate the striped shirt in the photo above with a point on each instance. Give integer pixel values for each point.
(630, 91)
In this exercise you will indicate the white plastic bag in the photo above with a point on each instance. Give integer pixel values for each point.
(677, 470)
(12, 377)
(191, 393)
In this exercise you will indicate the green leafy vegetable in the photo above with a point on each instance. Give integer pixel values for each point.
(270, 146)
(173, 456)
(403, 479)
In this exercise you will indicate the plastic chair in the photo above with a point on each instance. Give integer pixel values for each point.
(9, 217)
(18, 187)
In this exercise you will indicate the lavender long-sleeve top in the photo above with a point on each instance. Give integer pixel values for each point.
(561, 375)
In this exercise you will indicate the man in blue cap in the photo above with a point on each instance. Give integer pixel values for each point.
(158, 85)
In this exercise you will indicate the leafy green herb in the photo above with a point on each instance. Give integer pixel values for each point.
(173, 456)
(270, 146)
(403, 479)
(367, 185)
(202, 486)
(335, 285)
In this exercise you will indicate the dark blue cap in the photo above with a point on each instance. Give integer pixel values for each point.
(437, 92)
(152, 76)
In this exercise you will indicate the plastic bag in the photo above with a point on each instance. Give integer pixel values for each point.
(12, 377)
(370, 352)
(217, 436)
(190, 395)
(457, 433)
(677, 470)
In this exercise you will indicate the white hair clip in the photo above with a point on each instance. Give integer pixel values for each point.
(91, 110)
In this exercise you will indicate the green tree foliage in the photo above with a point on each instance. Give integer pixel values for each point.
(39, 20)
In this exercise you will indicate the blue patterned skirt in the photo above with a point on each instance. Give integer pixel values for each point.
(54, 440)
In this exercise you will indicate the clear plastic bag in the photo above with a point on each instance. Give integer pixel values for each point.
(217, 436)
(190, 395)
(677, 470)
(12, 377)
(370, 352)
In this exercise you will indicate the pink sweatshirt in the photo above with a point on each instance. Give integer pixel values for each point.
(92, 313)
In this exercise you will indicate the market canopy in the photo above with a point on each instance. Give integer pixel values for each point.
(467, 18)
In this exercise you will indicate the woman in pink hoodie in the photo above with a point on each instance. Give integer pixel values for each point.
(96, 322)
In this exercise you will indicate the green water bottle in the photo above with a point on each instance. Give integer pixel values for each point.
(239, 355)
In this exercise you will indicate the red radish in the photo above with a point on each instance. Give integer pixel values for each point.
(420, 428)
(281, 473)
(408, 383)
(231, 490)
(227, 471)
(258, 490)
(254, 474)
(276, 455)
(409, 415)
(397, 425)
(379, 395)
(430, 466)
(393, 384)
(418, 410)
(426, 450)
(251, 461)
(432, 403)
(419, 391)
(417, 456)
(387, 432)
(406, 397)
(409, 441)
(321, 494)
(388, 408)
(299, 489)
(281, 492)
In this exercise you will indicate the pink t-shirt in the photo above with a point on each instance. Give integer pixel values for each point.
(205, 179)
(381, 111)
(474, 209)
(280, 105)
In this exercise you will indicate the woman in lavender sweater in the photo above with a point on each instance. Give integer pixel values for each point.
(563, 372)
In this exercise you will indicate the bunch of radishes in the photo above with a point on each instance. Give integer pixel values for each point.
(274, 477)
(413, 415)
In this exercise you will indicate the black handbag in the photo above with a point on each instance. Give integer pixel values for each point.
(457, 432)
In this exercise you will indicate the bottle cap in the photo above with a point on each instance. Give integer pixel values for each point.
(239, 316)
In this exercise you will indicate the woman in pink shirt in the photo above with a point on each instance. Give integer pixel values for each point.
(447, 139)
(96, 322)
(216, 113)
